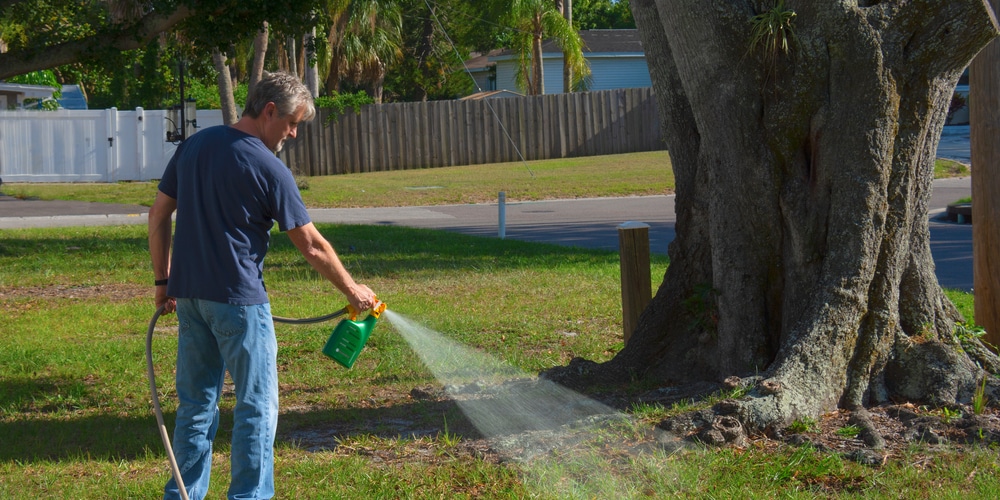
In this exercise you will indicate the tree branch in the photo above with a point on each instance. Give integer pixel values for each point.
(132, 37)
(7, 3)
(942, 34)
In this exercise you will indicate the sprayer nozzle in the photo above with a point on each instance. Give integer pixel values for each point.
(378, 308)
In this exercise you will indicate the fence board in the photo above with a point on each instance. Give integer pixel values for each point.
(73, 145)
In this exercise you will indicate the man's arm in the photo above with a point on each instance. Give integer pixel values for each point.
(320, 254)
(160, 233)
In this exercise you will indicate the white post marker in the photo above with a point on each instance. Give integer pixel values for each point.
(502, 214)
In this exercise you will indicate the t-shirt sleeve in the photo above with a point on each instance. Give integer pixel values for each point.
(288, 209)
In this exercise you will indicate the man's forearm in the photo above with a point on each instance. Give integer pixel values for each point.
(320, 254)
(160, 234)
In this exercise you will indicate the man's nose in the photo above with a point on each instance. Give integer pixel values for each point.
(293, 132)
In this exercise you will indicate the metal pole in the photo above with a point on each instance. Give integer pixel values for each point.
(502, 208)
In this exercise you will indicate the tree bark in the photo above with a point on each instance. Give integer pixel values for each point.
(536, 84)
(802, 256)
(310, 75)
(566, 7)
(259, 53)
(226, 100)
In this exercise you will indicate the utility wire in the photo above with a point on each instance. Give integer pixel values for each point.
(478, 88)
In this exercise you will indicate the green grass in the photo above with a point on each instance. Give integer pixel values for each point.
(950, 168)
(633, 174)
(76, 418)
(630, 174)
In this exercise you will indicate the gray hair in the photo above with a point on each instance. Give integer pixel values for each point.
(286, 91)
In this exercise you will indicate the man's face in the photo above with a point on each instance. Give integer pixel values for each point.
(278, 128)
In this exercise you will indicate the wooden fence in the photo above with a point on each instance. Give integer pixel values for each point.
(447, 133)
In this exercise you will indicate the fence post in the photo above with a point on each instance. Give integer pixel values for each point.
(111, 126)
(633, 247)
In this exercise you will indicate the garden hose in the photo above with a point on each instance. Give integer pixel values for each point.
(174, 469)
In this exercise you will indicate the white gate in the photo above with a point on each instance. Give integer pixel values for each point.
(87, 145)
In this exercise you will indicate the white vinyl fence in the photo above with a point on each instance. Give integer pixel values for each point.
(88, 145)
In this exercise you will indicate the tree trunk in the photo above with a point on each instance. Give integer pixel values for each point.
(984, 120)
(311, 76)
(375, 84)
(424, 50)
(536, 83)
(566, 8)
(293, 57)
(226, 100)
(802, 259)
(334, 50)
(259, 52)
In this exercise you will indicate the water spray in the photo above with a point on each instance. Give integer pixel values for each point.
(344, 345)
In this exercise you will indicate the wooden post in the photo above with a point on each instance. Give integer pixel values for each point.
(984, 121)
(633, 248)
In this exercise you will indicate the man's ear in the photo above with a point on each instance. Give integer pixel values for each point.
(271, 108)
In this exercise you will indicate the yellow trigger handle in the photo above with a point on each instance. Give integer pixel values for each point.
(376, 310)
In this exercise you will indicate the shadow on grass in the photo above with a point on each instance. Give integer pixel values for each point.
(129, 436)
(379, 250)
(391, 250)
(324, 429)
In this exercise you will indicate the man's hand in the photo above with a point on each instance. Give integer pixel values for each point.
(169, 303)
(361, 297)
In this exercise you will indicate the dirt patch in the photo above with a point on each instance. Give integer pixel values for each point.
(115, 292)
(898, 427)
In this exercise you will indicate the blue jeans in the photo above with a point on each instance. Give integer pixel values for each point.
(212, 338)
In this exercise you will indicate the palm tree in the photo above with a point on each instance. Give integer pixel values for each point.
(531, 22)
(336, 18)
(364, 38)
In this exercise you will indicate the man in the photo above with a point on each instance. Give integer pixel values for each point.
(228, 189)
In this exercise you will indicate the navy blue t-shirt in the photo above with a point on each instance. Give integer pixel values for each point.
(230, 189)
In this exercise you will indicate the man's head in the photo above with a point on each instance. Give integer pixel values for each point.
(279, 102)
(286, 92)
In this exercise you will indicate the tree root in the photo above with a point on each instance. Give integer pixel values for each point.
(869, 435)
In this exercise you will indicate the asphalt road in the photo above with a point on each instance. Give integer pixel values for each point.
(589, 223)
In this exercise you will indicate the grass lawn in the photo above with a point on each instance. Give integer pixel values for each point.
(633, 174)
(630, 174)
(76, 418)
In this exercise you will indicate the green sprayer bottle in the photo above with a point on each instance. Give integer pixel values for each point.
(350, 335)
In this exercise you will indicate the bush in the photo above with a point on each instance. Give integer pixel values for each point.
(339, 103)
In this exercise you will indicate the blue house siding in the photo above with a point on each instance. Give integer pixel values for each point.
(618, 71)
(616, 61)
(607, 72)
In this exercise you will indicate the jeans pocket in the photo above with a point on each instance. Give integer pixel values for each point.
(229, 320)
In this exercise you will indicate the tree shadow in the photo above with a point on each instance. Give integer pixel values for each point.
(132, 435)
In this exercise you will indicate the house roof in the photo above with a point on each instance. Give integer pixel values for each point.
(594, 42)
(27, 91)
(481, 62)
(491, 94)
(72, 97)
(603, 41)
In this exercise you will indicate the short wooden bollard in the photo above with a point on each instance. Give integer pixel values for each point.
(633, 249)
